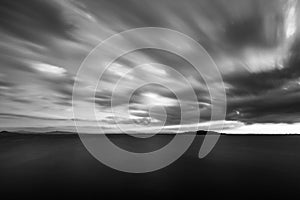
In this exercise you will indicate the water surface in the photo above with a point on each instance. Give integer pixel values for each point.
(59, 165)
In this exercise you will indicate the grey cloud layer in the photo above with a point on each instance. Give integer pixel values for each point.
(247, 39)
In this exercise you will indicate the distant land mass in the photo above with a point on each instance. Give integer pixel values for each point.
(199, 132)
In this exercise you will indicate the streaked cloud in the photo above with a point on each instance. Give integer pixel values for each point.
(49, 69)
(255, 44)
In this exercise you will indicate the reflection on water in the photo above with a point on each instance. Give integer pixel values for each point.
(141, 145)
(57, 164)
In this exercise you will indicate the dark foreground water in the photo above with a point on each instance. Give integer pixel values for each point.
(241, 166)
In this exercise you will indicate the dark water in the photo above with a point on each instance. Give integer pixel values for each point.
(239, 166)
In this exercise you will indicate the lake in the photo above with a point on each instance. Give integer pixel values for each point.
(59, 165)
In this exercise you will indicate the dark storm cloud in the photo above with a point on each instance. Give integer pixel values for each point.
(249, 83)
(271, 96)
(277, 106)
(244, 33)
(250, 31)
(34, 20)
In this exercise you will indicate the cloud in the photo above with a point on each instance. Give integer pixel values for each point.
(255, 44)
(6, 84)
(277, 106)
(34, 20)
(216, 126)
(254, 83)
(153, 99)
(49, 69)
(269, 96)
(14, 115)
(149, 68)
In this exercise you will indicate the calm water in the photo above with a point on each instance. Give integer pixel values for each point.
(59, 165)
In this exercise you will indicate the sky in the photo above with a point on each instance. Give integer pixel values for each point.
(254, 43)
